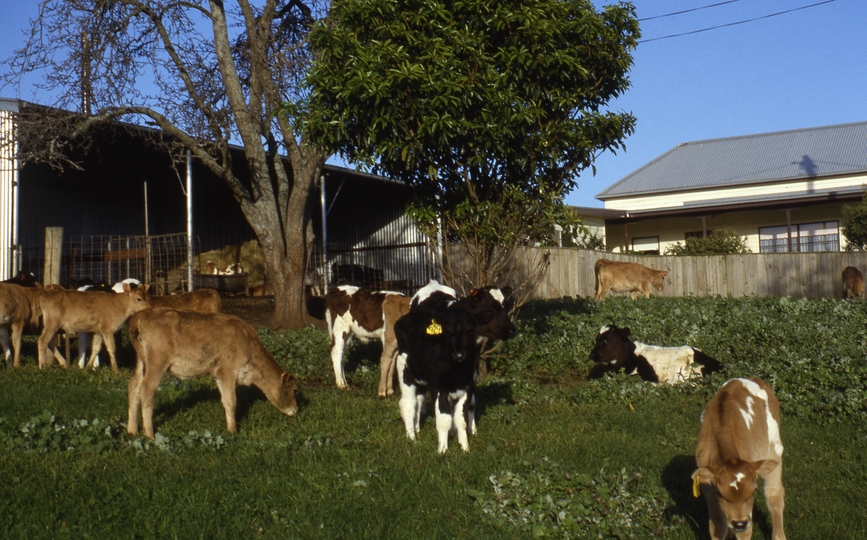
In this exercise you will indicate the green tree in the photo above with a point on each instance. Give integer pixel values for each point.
(207, 75)
(721, 241)
(489, 109)
(854, 227)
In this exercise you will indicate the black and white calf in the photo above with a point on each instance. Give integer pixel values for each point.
(365, 314)
(437, 353)
(614, 350)
(489, 320)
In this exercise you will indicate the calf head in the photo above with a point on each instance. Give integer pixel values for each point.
(613, 346)
(285, 398)
(138, 299)
(658, 279)
(487, 306)
(733, 485)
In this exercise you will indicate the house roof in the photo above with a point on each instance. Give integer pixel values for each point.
(751, 159)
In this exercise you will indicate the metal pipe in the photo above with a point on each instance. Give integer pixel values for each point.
(324, 231)
(189, 221)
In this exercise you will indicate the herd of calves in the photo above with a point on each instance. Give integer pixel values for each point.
(431, 342)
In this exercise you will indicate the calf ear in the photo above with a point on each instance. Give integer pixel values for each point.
(704, 475)
(764, 468)
(126, 288)
(624, 332)
(664, 273)
(287, 377)
(507, 292)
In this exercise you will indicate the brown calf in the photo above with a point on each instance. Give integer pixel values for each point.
(191, 344)
(738, 441)
(202, 300)
(853, 283)
(17, 310)
(85, 311)
(626, 277)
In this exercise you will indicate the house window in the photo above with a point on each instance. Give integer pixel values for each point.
(696, 234)
(649, 245)
(806, 237)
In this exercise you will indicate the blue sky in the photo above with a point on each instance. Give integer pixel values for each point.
(805, 68)
(802, 69)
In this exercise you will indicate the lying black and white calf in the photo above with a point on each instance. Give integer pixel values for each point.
(614, 350)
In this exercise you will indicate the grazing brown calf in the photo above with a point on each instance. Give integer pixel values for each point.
(853, 283)
(191, 344)
(17, 310)
(202, 300)
(738, 441)
(626, 277)
(85, 311)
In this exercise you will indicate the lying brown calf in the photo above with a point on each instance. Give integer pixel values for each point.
(190, 344)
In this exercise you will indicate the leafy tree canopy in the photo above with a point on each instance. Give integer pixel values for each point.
(462, 99)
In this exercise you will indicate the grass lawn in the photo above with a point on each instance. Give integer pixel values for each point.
(556, 456)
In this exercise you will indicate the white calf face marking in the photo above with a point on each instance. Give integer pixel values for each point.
(738, 477)
(498, 296)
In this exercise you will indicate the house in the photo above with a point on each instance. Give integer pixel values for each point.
(127, 190)
(783, 191)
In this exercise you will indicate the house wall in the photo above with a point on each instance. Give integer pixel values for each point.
(746, 223)
(682, 198)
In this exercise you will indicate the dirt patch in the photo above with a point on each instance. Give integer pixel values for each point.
(257, 310)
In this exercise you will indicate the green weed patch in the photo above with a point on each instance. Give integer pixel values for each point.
(556, 456)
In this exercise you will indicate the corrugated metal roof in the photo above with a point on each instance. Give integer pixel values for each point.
(750, 159)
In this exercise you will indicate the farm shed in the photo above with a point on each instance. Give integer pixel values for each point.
(125, 188)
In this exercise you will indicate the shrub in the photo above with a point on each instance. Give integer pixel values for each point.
(722, 241)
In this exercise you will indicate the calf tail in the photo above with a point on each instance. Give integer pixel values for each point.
(708, 363)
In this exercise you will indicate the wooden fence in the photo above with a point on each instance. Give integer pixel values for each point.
(810, 275)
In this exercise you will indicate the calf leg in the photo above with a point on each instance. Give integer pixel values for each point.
(147, 387)
(95, 347)
(471, 414)
(46, 342)
(338, 343)
(83, 342)
(775, 497)
(460, 421)
(226, 385)
(387, 364)
(410, 404)
(134, 397)
(108, 339)
(7, 347)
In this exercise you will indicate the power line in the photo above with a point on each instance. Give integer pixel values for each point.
(735, 23)
(688, 10)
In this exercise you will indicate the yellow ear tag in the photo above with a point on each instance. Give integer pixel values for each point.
(434, 329)
(695, 487)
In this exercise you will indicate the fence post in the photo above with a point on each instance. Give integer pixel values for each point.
(53, 250)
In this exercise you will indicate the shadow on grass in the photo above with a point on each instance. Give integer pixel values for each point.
(536, 312)
(677, 479)
(246, 396)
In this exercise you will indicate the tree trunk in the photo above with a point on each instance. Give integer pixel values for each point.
(286, 237)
